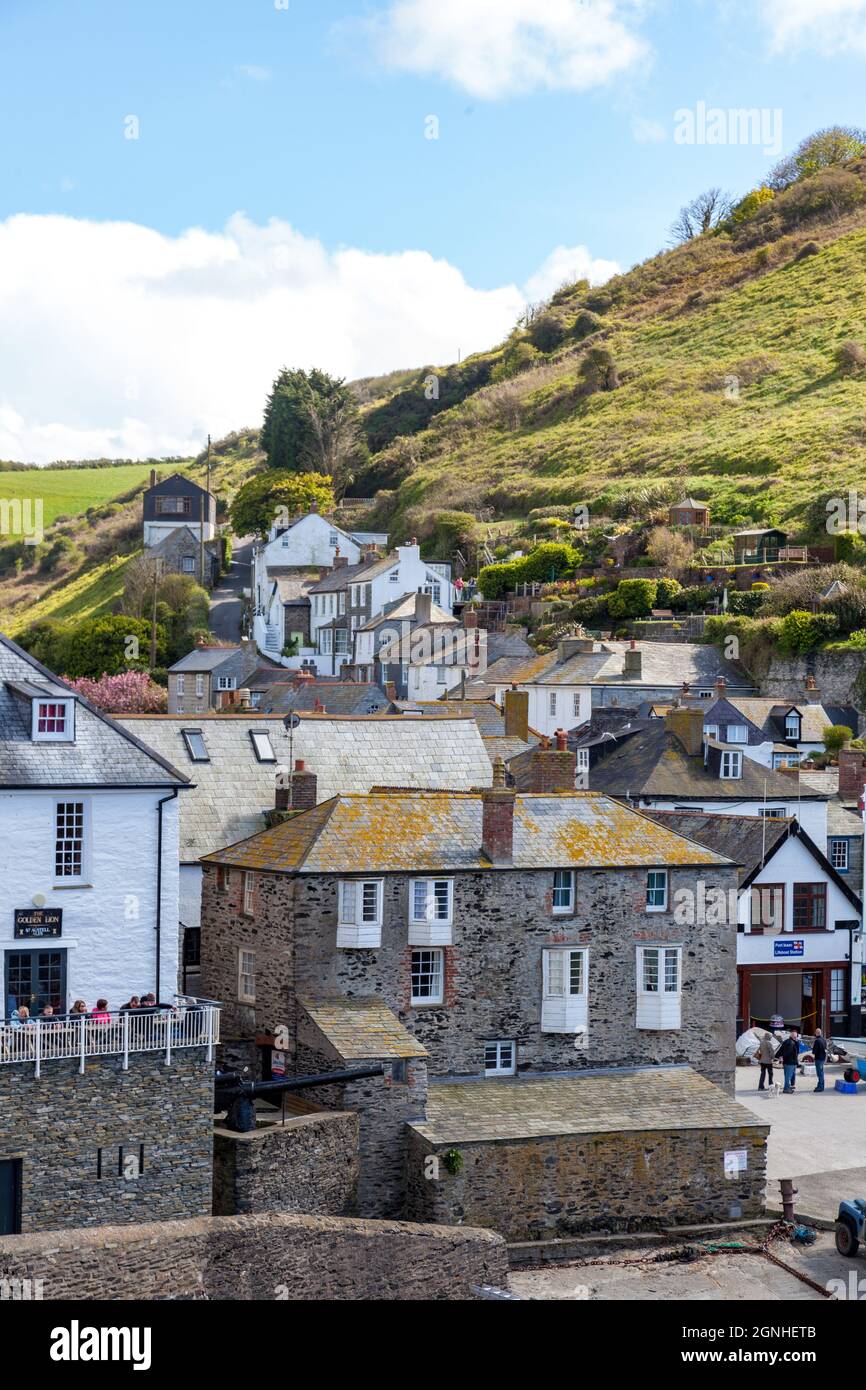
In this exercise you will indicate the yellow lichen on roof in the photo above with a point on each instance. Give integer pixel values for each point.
(361, 1028)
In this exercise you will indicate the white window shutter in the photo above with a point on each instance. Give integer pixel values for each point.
(349, 902)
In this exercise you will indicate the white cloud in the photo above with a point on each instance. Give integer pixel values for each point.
(823, 26)
(563, 266)
(129, 343)
(254, 72)
(497, 48)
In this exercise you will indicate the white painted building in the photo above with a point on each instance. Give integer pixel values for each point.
(88, 849)
(310, 542)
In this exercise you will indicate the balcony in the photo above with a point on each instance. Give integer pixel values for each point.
(188, 1023)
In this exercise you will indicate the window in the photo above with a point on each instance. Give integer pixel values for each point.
(659, 988)
(657, 890)
(179, 685)
(732, 765)
(195, 745)
(575, 705)
(792, 726)
(500, 1058)
(341, 641)
(431, 911)
(839, 855)
(187, 564)
(246, 976)
(434, 589)
(199, 687)
(551, 702)
(810, 906)
(563, 890)
(359, 922)
(249, 894)
(225, 683)
(325, 641)
(394, 577)
(52, 720)
(427, 977)
(564, 1002)
(791, 759)
(767, 907)
(711, 731)
(837, 991)
(772, 812)
(738, 733)
(69, 840)
(334, 538)
(400, 1071)
(173, 506)
(261, 742)
(224, 878)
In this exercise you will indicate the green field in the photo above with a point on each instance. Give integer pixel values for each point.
(62, 492)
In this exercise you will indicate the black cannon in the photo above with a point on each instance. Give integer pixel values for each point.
(237, 1094)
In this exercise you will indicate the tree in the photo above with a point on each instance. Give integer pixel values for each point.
(702, 214)
(598, 371)
(633, 598)
(94, 647)
(669, 550)
(749, 205)
(835, 737)
(824, 148)
(312, 424)
(130, 692)
(257, 502)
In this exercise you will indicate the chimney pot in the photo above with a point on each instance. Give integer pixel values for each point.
(470, 617)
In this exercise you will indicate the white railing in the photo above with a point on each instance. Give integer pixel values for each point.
(189, 1023)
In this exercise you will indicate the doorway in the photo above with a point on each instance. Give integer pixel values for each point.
(34, 979)
(10, 1196)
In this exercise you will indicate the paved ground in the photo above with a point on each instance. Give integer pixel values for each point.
(818, 1140)
(226, 606)
(732, 1277)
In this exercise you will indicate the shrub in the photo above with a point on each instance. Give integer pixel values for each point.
(547, 563)
(598, 371)
(129, 692)
(548, 331)
(692, 599)
(850, 547)
(516, 358)
(633, 598)
(666, 591)
(809, 248)
(591, 612)
(850, 356)
(835, 736)
(802, 632)
(585, 324)
(745, 603)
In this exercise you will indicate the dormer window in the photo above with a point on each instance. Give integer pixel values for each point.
(53, 721)
(792, 726)
(732, 766)
(738, 733)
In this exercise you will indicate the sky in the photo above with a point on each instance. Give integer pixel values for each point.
(194, 193)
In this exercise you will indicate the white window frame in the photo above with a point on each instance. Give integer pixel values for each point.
(359, 913)
(179, 682)
(225, 683)
(187, 564)
(792, 726)
(731, 766)
(652, 905)
(246, 974)
(575, 705)
(564, 1007)
(199, 687)
(772, 812)
(437, 976)
(64, 709)
(565, 890)
(711, 731)
(501, 1049)
(428, 924)
(738, 733)
(659, 1009)
(249, 893)
(71, 879)
(837, 842)
(551, 702)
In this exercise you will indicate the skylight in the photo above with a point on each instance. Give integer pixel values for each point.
(261, 741)
(195, 745)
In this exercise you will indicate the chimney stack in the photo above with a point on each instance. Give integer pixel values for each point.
(547, 770)
(423, 607)
(153, 477)
(516, 708)
(852, 773)
(340, 561)
(813, 694)
(302, 794)
(632, 663)
(688, 726)
(567, 647)
(469, 617)
(497, 819)
(390, 690)
(721, 687)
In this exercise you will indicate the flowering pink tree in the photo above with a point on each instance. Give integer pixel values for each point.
(130, 692)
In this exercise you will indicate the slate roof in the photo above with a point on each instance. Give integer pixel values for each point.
(768, 716)
(843, 815)
(361, 1028)
(419, 832)
(292, 588)
(206, 658)
(405, 609)
(231, 792)
(339, 578)
(337, 697)
(104, 752)
(594, 1102)
(662, 664)
(690, 502)
(654, 763)
(460, 644)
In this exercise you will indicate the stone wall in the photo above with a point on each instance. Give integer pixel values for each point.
(309, 1164)
(542, 1188)
(840, 677)
(64, 1127)
(275, 1257)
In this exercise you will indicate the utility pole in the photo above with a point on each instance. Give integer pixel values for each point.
(156, 572)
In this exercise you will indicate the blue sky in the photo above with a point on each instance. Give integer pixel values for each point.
(555, 130)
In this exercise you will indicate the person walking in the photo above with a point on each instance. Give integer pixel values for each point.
(789, 1054)
(766, 1056)
(819, 1052)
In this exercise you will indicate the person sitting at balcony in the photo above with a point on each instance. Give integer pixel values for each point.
(78, 1010)
(134, 1003)
(148, 1002)
(21, 1016)
(100, 1013)
(48, 1015)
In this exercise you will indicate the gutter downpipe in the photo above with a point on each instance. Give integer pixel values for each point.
(158, 925)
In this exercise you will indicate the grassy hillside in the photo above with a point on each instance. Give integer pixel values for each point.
(729, 388)
(67, 492)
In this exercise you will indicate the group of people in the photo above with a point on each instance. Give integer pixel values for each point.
(138, 1003)
(788, 1052)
